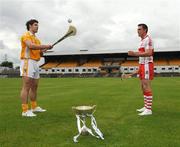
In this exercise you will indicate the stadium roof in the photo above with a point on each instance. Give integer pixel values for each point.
(91, 52)
(83, 52)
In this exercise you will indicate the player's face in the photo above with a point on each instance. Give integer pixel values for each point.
(141, 32)
(34, 27)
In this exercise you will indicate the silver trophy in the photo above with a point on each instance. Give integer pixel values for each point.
(82, 112)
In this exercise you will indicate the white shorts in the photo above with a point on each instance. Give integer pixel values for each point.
(29, 68)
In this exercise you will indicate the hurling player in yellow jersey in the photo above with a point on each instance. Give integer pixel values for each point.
(30, 55)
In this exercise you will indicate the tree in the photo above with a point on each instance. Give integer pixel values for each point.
(7, 64)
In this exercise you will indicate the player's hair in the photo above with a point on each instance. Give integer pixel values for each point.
(30, 22)
(144, 26)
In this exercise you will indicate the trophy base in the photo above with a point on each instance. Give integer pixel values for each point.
(84, 132)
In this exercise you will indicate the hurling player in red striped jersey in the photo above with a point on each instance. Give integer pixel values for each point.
(146, 68)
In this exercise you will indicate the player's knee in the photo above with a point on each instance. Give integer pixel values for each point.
(34, 87)
(26, 88)
(145, 86)
(27, 84)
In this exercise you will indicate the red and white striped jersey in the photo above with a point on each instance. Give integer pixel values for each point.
(145, 43)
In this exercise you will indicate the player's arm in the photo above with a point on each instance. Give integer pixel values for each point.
(33, 46)
(147, 53)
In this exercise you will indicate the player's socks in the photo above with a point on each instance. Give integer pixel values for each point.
(149, 97)
(145, 101)
(24, 107)
(33, 104)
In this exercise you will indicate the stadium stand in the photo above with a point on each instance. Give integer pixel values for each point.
(130, 63)
(161, 62)
(50, 65)
(174, 62)
(68, 64)
(98, 63)
(93, 63)
(106, 63)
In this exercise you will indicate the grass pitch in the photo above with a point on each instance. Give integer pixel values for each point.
(116, 114)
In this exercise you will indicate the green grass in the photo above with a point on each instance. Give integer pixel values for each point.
(116, 117)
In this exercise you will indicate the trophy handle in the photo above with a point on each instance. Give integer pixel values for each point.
(94, 108)
(73, 108)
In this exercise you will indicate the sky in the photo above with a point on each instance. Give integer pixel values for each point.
(101, 24)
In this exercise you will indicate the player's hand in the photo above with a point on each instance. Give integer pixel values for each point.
(49, 47)
(126, 76)
(44, 50)
(131, 53)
